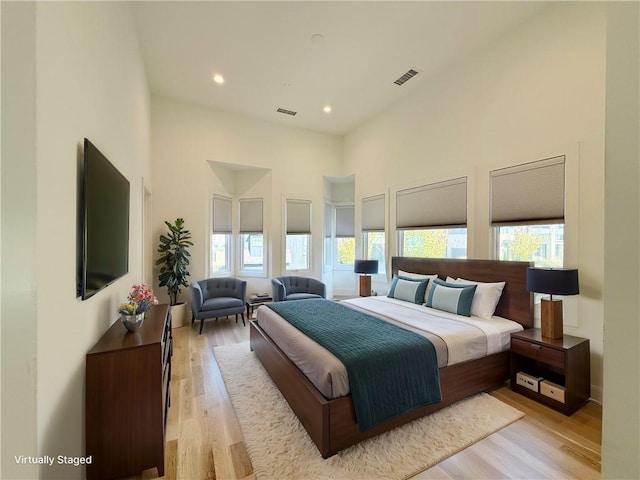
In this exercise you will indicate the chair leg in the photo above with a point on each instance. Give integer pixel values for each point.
(236, 318)
(201, 325)
(243, 324)
(193, 318)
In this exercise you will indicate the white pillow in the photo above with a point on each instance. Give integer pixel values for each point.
(486, 297)
(420, 276)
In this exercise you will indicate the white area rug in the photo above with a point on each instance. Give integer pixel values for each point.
(280, 448)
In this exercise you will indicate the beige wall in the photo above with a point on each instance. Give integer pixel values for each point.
(89, 83)
(18, 231)
(537, 92)
(186, 138)
(621, 415)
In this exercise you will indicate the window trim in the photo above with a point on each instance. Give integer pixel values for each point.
(286, 233)
(229, 248)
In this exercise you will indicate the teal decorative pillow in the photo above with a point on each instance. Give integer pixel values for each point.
(407, 289)
(451, 297)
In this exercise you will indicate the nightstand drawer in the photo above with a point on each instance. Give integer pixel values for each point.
(538, 352)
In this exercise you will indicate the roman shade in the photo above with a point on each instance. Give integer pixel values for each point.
(529, 193)
(251, 215)
(437, 205)
(373, 213)
(298, 216)
(344, 221)
(221, 214)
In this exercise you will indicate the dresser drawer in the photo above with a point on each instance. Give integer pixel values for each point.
(538, 352)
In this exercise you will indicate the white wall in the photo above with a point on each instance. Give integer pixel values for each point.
(185, 138)
(89, 83)
(621, 415)
(537, 92)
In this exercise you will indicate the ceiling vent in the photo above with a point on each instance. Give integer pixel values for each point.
(407, 76)
(286, 112)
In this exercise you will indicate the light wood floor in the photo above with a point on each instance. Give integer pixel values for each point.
(204, 440)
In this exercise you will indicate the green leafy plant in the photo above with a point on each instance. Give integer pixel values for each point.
(174, 259)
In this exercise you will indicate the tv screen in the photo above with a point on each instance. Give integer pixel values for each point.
(105, 222)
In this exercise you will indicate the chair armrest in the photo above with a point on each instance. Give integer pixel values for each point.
(196, 298)
(243, 290)
(318, 287)
(278, 290)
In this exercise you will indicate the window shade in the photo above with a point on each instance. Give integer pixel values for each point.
(251, 215)
(437, 205)
(373, 214)
(221, 215)
(528, 193)
(298, 216)
(344, 221)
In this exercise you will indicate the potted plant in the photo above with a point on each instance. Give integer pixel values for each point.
(174, 262)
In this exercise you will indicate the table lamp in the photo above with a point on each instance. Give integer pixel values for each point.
(367, 267)
(553, 282)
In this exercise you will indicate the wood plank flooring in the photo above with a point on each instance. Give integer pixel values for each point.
(204, 440)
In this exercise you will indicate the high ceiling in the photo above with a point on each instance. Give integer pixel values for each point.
(301, 56)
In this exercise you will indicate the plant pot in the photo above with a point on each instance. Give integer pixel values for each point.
(178, 314)
(132, 322)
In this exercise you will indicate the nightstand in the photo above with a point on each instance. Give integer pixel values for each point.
(555, 372)
(254, 301)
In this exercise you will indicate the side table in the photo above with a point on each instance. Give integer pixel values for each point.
(564, 362)
(254, 301)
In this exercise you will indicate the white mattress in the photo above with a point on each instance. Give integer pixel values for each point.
(464, 338)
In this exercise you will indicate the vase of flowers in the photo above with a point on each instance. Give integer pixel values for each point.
(138, 302)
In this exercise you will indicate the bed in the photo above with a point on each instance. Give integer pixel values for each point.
(331, 422)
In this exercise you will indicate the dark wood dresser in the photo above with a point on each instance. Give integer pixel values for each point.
(127, 397)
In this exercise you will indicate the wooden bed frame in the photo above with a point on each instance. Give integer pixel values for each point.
(331, 423)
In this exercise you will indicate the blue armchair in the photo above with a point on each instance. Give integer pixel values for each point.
(217, 297)
(297, 288)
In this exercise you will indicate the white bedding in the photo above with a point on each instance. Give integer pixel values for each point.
(466, 338)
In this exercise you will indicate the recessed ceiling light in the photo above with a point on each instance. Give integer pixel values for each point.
(219, 79)
(326, 109)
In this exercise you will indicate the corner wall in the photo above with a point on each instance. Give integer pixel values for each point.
(185, 138)
(537, 92)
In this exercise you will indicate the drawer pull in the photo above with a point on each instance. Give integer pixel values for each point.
(535, 347)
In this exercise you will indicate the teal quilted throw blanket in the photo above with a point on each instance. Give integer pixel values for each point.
(391, 370)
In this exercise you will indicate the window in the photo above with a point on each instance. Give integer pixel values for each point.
(298, 235)
(541, 244)
(434, 243)
(251, 236)
(431, 220)
(527, 212)
(345, 241)
(220, 253)
(374, 245)
(298, 248)
(373, 235)
(220, 261)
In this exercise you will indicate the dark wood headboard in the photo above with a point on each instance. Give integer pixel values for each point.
(516, 303)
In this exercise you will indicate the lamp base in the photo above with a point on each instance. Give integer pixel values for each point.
(365, 285)
(551, 318)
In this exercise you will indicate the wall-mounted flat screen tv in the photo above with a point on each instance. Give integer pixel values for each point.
(105, 223)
